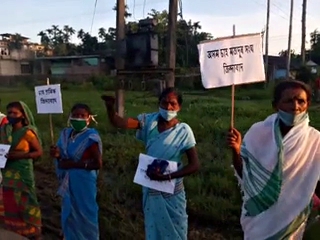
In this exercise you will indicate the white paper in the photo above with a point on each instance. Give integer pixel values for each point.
(229, 61)
(4, 149)
(142, 179)
(48, 99)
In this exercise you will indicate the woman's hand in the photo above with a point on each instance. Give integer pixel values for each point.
(155, 176)
(234, 140)
(54, 152)
(66, 164)
(16, 155)
(109, 101)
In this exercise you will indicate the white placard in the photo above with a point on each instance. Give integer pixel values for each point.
(228, 61)
(48, 99)
(141, 177)
(4, 149)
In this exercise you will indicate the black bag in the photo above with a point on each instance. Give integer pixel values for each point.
(157, 166)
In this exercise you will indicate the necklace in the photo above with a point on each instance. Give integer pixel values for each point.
(75, 134)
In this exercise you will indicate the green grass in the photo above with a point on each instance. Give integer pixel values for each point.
(213, 194)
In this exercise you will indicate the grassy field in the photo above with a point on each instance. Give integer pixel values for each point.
(213, 195)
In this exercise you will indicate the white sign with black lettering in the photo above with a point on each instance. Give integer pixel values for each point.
(232, 60)
(141, 177)
(48, 99)
(4, 149)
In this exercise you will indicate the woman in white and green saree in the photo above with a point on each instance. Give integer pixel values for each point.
(278, 167)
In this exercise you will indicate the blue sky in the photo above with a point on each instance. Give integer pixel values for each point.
(216, 16)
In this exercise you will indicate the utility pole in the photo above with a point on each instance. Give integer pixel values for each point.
(289, 41)
(267, 43)
(119, 58)
(172, 42)
(303, 32)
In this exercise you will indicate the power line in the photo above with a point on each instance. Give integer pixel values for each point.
(144, 6)
(94, 12)
(29, 22)
(134, 10)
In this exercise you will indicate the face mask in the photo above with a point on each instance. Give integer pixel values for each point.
(167, 115)
(290, 119)
(78, 124)
(14, 120)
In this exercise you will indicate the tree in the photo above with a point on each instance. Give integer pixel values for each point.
(284, 53)
(311, 54)
(126, 13)
(314, 39)
(189, 34)
(67, 33)
(16, 42)
(102, 33)
(304, 74)
(314, 52)
(89, 44)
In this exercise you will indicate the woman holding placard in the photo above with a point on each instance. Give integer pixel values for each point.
(19, 201)
(165, 138)
(278, 166)
(79, 157)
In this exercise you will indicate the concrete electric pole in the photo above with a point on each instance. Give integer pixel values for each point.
(303, 32)
(120, 63)
(172, 42)
(267, 42)
(289, 41)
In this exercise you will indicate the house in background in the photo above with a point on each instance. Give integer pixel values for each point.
(313, 66)
(72, 65)
(277, 67)
(17, 54)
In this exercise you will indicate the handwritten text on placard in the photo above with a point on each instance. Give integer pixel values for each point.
(4, 149)
(48, 98)
(228, 61)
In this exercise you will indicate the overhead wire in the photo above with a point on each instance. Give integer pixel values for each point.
(94, 13)
(144, 7)
(68, 16)
(134, 9)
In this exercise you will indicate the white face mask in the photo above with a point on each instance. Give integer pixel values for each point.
(167, 115)
(290, 119)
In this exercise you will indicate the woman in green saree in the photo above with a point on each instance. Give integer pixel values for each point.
(19, 208)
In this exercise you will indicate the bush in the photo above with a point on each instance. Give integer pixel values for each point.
(304, 75)
(102, 82)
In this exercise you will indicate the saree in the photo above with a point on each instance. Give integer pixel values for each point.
(165, 214)
(78, 187)
(280, 175)
(19, 207)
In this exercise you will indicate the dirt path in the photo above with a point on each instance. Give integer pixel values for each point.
(49, 201)
(4, 234)
(50, 207)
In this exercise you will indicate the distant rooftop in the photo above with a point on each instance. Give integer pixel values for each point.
(12, 35)
(68, 57)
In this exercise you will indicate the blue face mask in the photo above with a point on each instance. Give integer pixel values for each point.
(167, 115)
(290, 119)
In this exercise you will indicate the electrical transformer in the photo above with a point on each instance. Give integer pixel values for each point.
(142, 46)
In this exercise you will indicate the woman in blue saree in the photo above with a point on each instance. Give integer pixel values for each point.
(78, 159)
(165, 138)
